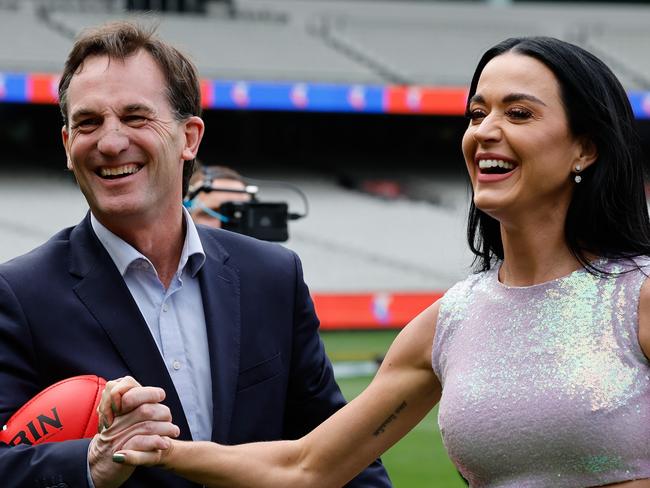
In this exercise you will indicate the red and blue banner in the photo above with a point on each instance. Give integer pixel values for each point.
(295, 96)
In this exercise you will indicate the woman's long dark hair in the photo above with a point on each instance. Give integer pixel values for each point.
(608, 214)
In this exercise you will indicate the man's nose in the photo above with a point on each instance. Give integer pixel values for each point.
(113, 141)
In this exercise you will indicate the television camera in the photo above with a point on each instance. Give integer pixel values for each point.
(267, 221)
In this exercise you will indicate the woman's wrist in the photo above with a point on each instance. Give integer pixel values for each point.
(169, 455)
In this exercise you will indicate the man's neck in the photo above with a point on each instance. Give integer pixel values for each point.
(159, 239)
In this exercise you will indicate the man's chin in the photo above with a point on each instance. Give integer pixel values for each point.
(116, 210)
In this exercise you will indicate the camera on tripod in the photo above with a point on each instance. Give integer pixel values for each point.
(267, 221)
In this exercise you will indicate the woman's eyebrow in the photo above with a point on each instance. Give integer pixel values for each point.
(512, 97)
(515, 97)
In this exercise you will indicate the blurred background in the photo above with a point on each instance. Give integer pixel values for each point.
(357, 103)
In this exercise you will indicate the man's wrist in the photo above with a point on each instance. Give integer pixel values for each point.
(89, 476)
(103, 472)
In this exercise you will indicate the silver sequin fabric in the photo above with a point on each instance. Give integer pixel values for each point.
(545, 385)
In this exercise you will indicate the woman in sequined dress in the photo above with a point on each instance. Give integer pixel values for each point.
(539, 360)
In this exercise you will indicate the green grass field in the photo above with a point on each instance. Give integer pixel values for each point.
(419, 460)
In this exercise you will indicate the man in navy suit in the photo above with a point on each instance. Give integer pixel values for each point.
(221, 322)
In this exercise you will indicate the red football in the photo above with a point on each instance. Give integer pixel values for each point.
(64, 411)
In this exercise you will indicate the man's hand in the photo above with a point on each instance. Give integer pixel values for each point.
(131, 418)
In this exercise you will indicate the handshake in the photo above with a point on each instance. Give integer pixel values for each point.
(135, 429)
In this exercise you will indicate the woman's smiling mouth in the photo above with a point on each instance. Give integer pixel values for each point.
(494, 168)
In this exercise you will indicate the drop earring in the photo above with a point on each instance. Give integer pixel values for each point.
(577, 178)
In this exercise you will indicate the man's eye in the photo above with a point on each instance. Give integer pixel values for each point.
(135, 119)
(87, 123)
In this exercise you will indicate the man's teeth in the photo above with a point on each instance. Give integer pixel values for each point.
(127, 169)
(495, 163)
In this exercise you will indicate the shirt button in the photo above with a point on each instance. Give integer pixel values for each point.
(165, 307)
(176, 365)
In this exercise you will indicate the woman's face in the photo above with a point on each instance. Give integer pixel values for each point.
(518, 148)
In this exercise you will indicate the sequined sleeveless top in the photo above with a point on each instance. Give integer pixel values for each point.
(545, 385)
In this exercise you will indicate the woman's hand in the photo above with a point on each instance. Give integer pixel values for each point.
(137, 424)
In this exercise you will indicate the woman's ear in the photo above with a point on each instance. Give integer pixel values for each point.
(587, 153)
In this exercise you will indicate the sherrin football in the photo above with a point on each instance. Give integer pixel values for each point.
(64, 411)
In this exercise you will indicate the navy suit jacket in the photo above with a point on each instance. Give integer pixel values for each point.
(65, 310)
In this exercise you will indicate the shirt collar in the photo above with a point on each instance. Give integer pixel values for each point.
(123, 254)
(192, 248)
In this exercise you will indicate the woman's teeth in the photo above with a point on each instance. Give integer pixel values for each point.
(495, 163)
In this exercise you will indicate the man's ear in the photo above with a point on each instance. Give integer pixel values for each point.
(194, 129)
(65, 136)
(587, 153)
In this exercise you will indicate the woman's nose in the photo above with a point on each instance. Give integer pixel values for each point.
(489, 130)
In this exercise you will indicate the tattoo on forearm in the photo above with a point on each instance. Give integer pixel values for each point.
(382, 428)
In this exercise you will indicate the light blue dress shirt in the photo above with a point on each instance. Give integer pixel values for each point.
(175, 318)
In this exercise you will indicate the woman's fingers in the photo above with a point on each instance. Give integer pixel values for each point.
(138, 458)
(146, 443)
(144, 451)
(111, 401)
(115, 389)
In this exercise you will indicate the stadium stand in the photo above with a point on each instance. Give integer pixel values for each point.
(349, 242)
(356, 41)
(626, 49)
(440, 42)
(18, 50)
(244, 48)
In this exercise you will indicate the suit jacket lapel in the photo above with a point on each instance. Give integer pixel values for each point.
(103, 291)
(221, 304)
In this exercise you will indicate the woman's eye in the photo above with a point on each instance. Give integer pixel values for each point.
(519, 113)
(475, 114)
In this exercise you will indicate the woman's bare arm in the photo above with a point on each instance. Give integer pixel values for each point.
(403, 391)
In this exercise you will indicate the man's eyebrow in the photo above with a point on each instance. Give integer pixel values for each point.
(512, 97)
(80, 113)
(137, 107)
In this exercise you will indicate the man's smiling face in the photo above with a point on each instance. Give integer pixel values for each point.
(123, 142)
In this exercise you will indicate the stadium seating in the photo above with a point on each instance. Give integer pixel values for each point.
(245, 49)
(349, 242)
(356, 41)
(27, 44)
